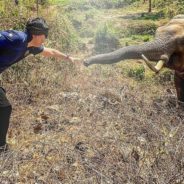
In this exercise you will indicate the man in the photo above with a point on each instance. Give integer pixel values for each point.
(14, 46)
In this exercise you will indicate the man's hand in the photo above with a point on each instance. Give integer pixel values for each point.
(73, 59)
(48, 52)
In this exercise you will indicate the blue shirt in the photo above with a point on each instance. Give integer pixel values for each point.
(13, 48)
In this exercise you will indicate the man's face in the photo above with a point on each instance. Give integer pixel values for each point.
(38, 40)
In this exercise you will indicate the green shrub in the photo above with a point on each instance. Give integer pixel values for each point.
(61, 2)
(63, 33)
(137, 73)
(101, 4)
(86, 33)
(144, 38)
(140, 27)
(77, 24)
(90, 14)
(169, 8)
(106, 39)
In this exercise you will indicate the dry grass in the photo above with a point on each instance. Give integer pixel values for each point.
(93, 129)
(76, 125)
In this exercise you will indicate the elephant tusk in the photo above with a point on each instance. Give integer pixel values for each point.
(149, 64)
(156, 68)
(159, 65)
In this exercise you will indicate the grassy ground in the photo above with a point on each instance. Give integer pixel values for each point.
(116, 124)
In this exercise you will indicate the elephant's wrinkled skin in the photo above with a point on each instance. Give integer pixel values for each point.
(168, 47)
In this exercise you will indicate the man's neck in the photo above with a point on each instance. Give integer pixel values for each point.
(31, 44)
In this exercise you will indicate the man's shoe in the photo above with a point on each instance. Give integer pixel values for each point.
(4, 148)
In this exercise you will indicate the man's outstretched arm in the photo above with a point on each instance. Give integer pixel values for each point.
(48, 52)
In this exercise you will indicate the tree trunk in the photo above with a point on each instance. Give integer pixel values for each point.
(149, 10)
(37, 7)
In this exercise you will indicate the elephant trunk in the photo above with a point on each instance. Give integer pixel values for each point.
(152, 50)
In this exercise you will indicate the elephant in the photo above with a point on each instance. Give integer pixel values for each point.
(167, 50)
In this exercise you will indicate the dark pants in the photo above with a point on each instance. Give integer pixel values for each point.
(5, 112)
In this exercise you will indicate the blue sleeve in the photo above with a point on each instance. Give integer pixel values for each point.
(10, 39)
(4, 43)
(35, 50)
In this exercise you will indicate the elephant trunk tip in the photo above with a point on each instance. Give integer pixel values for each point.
(86, 62)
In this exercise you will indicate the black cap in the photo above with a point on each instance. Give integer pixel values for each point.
(37, 26)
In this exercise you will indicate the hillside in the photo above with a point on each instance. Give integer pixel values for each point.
(116, 124)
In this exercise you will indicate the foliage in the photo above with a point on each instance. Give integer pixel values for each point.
(102, 4)
(140, 27)
(59, 2)
(63, 31)
(84, 24)
(76, 125)
(169, 7)
(151, 16)
(137, 73)
(106, 39)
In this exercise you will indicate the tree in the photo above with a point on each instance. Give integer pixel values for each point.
(149, 9)
(37, 7)
(149, 5)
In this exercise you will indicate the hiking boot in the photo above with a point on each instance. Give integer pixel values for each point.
(4, 148)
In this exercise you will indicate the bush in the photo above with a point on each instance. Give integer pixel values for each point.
(106, 40)
(86, 33)
(170, 7)
(140, 28)
(101, 4)
(142, 38)
(137, 73)
(63, 33)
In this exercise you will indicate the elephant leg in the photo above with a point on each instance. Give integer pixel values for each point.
(179, 84)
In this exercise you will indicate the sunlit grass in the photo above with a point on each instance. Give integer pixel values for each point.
(100, 124)
(59, 2)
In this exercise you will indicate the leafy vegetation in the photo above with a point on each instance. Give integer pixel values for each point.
(169, 7)
(137, 73)
(106, 40)
(116, 124)
(102, 4)
(141, 28)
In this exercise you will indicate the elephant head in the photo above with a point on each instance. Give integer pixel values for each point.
(169, 39)
(167, 49)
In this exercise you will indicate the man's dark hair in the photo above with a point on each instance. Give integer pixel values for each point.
(37, 26)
